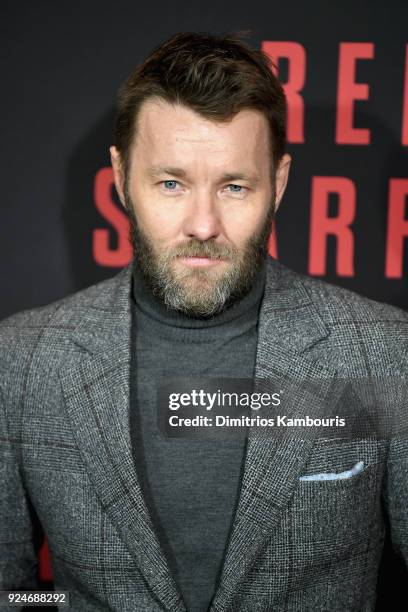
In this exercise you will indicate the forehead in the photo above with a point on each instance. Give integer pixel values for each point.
(166, 130)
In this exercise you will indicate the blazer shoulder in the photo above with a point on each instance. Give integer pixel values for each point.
(338, 305)
(104, 295)
(21, 332)
(353, 322)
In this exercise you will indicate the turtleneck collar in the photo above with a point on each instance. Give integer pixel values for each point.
(239, 316)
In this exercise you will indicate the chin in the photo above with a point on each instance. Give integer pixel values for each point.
(198, 278)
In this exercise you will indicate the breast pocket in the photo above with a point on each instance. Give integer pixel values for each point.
(337, 499)
(356, 469)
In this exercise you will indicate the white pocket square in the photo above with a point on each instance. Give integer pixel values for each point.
(333, 476)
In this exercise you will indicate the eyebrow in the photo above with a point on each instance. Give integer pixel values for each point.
(156, 171)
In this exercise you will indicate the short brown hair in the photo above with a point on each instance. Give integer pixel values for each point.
(216, 76)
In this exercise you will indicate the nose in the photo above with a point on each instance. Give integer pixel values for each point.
(202, 220)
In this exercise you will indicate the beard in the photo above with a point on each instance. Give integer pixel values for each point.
(199, 292)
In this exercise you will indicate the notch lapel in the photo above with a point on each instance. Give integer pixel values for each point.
(288, 326)
(96, 391)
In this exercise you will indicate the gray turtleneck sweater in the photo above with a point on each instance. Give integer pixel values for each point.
(191, 486)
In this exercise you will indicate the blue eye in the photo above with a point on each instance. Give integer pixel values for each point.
(170, 185)
(236, 188)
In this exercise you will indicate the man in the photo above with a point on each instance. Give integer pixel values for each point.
(136, 520)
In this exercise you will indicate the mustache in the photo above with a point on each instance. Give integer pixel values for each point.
(197, 248)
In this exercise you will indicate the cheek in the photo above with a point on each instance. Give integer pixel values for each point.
(162, 229)
(156, 218)
(242, 223)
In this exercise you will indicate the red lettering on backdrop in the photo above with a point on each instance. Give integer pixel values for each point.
(348, 91)
(404, 136)
(44, 562)
(397, 227)
(321, 225)
(103, 254)
(296, 55)
(272, 245)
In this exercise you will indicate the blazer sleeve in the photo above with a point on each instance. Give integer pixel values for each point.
(396, 494)
(18, 558)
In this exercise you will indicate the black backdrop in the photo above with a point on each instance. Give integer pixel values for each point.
(61, 65)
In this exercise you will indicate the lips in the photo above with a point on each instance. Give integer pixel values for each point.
(199, 261)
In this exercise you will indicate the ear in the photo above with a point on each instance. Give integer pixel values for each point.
(118, 174)
(281, 179)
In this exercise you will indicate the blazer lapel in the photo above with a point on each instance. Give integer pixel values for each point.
(96, 390)
(288, 326)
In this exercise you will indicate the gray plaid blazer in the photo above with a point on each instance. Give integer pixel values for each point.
(296, 544)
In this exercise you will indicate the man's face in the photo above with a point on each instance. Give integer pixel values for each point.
(200, 199)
